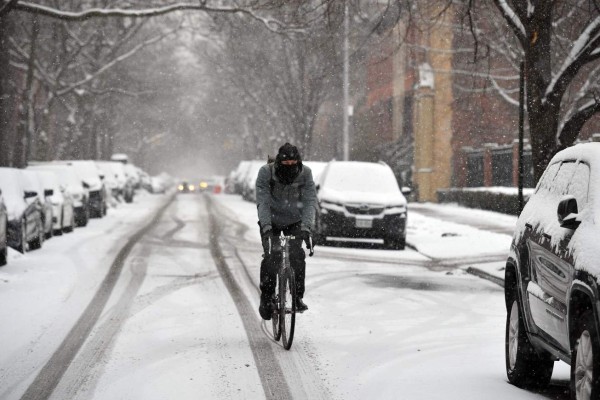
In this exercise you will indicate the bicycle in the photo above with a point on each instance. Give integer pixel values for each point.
(284, 299)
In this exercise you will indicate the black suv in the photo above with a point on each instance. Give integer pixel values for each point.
(551, 282)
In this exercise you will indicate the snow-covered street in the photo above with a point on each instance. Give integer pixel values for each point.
(180, 319)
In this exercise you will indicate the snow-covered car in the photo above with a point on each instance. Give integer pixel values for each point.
(33, 183)
(90, 176)
(3, 231)
(360, 200)
(63, 214)
(125, 188)
(237, 176)
(73, 186)
(249, 180)
(111, 183)
(552, 288)
(25, 228)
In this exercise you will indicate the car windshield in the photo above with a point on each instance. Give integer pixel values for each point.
(360, 177)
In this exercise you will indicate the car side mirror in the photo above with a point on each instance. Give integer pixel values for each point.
(406, 191)
(29, 194)
(568, 213)
(85, 185)
(48, 192)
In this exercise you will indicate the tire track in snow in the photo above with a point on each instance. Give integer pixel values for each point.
(299, 365)
(271, 375)
(50, 375)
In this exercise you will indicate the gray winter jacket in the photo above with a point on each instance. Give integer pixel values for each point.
(285, 204)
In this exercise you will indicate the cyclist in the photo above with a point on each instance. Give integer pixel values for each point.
(285, 199)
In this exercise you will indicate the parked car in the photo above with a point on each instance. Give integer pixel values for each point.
(25, 229)
(33, 183)
(63, 214)
(236, 178)
(125, 190)
(3, 231)
(70, 181)
(360, 200)
(90, 176)
(552, 291)
(249, 180)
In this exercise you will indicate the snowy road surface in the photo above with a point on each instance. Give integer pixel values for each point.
(176, 316)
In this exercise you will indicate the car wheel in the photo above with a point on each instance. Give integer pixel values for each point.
(525, 368)
(3, 256)
(38, 242)
(585, 360)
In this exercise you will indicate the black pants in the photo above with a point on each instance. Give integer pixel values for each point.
(271, 262)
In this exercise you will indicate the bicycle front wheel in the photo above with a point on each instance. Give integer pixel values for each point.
(275, 315)
(287, 307)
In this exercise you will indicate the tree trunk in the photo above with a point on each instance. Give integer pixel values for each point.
(543, 116)
(5, 108)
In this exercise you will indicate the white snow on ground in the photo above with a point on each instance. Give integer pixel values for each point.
(381, 324)
(44, 292)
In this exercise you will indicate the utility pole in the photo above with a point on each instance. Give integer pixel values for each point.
(521, 129)
(346, 138)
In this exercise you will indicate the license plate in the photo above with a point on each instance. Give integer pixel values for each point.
(364, 223)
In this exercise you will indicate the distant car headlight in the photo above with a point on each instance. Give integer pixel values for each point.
(203, 185)
(180, 187)
(192, 188)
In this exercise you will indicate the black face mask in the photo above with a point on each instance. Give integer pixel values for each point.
(287, 173)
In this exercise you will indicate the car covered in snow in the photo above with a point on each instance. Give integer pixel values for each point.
(63, 214)
(70, 181)
(33, 182)
(249, 180)
(25, 228)
(552, 291)
(90, 176)
(360, 200)
(3, 231)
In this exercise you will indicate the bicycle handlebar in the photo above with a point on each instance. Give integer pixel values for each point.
(309, 245)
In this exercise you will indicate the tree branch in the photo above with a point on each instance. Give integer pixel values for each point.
(271, 24)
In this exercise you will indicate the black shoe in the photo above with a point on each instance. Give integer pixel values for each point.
(300, 306)
(265, 310)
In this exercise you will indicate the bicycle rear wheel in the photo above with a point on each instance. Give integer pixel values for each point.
(287, 307)
(275, 315)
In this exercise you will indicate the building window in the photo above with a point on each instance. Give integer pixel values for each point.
(475, 169)
(502, 167)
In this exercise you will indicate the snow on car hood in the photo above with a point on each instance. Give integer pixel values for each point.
(349, 197)
(12, 192)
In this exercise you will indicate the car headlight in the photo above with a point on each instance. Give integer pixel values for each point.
(192, 188)
(180, 187)
(203, 185)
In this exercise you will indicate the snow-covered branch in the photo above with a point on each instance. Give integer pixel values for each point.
(270, 23)
(112, 63)
(513, 19)
(583, 50)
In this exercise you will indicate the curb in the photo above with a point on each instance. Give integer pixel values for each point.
(485, 275)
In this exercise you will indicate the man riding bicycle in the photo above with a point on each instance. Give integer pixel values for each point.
(285, 199)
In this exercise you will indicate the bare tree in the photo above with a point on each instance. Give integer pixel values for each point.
(560, 45)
